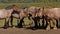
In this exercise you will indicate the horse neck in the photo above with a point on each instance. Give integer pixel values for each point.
(15, 7)
(44, 11)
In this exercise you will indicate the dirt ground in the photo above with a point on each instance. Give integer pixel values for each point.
(27, 31)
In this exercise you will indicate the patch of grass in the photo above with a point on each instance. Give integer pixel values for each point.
(55, 4)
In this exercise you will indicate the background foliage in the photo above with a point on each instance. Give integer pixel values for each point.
(27, 1)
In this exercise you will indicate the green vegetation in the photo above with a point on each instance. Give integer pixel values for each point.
(54, 4)
(27, 1)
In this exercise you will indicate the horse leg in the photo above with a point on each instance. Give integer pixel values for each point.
(43, 21)
(11, 21)
(57, 23)
(54, 23)
(48, 24)
(38, 21)
(21, 22)
(6, 25)
(35, 22)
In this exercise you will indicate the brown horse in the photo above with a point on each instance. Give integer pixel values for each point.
(37, 16)
(33, 12)
(20, 14)
(50, 14)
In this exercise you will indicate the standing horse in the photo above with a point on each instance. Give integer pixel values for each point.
(39, 16)
(5, 14)
(50, 14)
(20, 14)
(33, 12)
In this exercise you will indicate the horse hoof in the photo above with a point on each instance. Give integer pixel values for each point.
(13, 27)
(5, 28)
(48, 28)
(55, 28)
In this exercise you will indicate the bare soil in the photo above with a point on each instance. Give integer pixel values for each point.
(28, 31)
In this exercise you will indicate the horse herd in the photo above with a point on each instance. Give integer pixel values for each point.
(36, 13)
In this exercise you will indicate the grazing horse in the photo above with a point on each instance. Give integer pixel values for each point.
(5, 14)
(20, 14)
(37, 16)
(33, 13)
(50, 14)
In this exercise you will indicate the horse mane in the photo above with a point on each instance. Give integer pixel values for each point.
(15, 5)
(10, 7)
